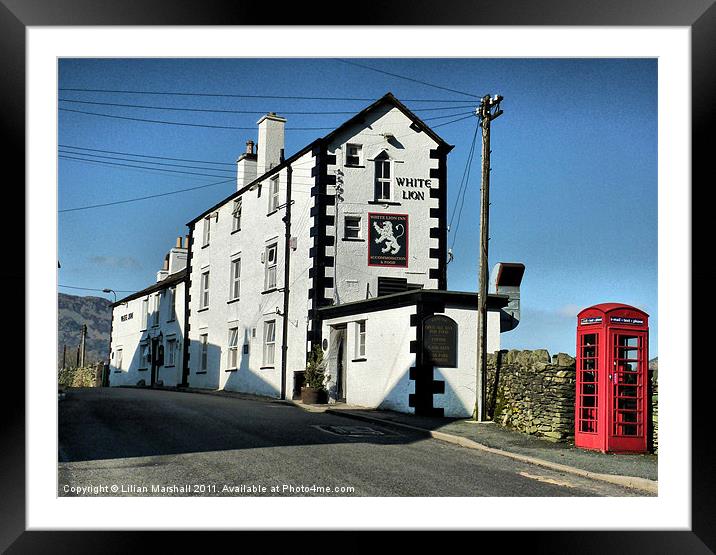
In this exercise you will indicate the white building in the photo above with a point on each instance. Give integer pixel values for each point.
(342, 245)
(147, 334)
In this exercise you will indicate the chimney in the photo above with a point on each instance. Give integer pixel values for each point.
(175, 259)
(246, 166)
(271, 133)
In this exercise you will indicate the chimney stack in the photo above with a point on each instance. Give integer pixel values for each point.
(246, 166)
(175, 259)
(271, 137)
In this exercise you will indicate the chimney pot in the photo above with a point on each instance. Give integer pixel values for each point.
(178, 242)
(249, 147)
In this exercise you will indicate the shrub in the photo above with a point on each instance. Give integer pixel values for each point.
(315, 375)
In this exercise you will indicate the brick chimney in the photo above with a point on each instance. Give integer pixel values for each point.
(246, 166)
(271, 136)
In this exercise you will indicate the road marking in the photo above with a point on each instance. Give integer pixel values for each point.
(547, 480)
(351, 431)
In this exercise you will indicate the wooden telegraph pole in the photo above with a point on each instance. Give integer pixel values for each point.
(488, 110)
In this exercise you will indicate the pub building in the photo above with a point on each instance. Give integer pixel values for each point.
(341, 246)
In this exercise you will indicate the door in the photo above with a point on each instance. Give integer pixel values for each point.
(155, 361)
(627, 421)
(341, 361)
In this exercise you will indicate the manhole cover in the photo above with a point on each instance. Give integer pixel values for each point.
(352, 431)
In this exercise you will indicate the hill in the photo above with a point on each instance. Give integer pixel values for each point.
(72, 312)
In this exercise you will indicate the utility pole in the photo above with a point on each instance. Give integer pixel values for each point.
(83, 340)
(488, 110)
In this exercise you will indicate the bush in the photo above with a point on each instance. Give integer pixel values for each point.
(315, 374)
(78, 377)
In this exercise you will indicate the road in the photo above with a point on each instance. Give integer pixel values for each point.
(143, 442)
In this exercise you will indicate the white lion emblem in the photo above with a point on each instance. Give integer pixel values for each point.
(385, 233)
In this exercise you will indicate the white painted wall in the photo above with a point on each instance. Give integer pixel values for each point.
(382, 380)
(127, 335)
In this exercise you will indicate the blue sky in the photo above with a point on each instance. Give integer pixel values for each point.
(573, 182)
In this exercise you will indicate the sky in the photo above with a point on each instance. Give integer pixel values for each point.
(573, 186)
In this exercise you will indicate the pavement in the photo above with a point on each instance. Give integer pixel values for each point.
(637, 471)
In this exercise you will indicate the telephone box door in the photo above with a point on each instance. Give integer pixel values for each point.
(627, 416)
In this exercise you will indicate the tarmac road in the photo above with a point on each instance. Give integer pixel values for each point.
(129, 442)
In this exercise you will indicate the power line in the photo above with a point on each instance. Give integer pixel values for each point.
(64, 157)
(466, 177)
(145, 198)
(219, 111)
(145, 155)
(186, 124)
(225, 95)
(453, 121)
(406, 78)
(91, 289)
(142, 161)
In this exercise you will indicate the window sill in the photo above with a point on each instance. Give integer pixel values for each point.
(362, 359)
(354, 165)
(272, 212)
(117, 372)
(142, 369)
(202, 372)
(269, 291)
(204, 246)
(172, 320)
(235, 231)
(354, 239)
(231, 370)
(168, 366)
(203, 309)
(267, 368)
(233, 300)
(386, 202)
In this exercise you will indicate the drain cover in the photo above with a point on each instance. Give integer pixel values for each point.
(352, 431)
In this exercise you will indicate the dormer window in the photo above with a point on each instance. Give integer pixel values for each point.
(383, 178)
(354, 155)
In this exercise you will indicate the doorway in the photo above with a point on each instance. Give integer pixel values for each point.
(339, 359)
(155, 362)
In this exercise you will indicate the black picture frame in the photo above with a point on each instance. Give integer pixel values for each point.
(16, 15)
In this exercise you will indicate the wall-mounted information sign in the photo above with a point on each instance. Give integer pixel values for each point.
(587, 321)
(440, 341)
(388, 240)
(623, 320)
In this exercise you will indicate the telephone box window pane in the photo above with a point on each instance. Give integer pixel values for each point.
(589, 401)
(589, 377)
(589, 389)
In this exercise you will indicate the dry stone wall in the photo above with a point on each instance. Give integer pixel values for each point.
(534, 392)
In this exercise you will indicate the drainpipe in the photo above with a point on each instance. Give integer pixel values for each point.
(286, 277)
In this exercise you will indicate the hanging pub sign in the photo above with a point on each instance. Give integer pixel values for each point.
(388, 240)
(440, 341)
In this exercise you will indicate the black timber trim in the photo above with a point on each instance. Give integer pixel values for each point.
(317, 252)
(423, 372)
(440, 212)
(453, 299)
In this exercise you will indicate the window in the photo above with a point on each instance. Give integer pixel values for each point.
(235, 279)
(172, 303)
(155, 314)
(270, 276)
(360, 340)
(382, 177)
(170, 351)
(143, 354)
(269, 342)
(145, 313)
(204, 294)
(351, 227)
(354, 155)
(233, 347)
(207, 230)
(273, 196)
(119, 359)
(204, 355)
(236, 213)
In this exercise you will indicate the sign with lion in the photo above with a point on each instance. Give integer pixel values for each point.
(388, 240)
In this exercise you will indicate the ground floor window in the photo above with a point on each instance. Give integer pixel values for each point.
(269, 342)
(118, 361)
(171, 349)
(360, 339)
(143, 355)
(233, 347)
(203, 359)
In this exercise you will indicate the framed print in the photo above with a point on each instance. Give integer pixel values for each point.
(44, 42)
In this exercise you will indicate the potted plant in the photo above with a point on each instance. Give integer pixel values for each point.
(315, 378)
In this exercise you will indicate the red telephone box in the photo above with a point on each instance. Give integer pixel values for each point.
(612, 379)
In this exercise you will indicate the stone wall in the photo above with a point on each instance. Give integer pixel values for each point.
(535, 392)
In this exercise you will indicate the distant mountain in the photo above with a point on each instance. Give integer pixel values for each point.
(72, 312)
